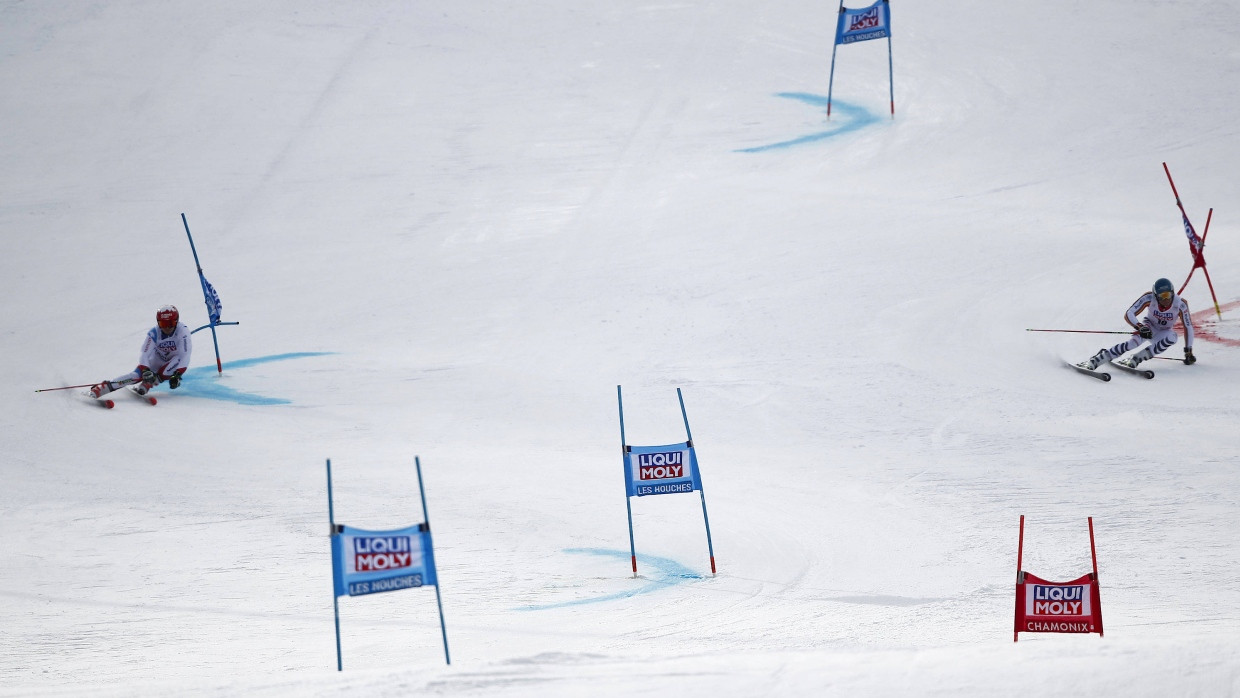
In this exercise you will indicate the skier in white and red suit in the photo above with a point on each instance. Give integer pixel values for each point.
(165, 356)
(1165, 305)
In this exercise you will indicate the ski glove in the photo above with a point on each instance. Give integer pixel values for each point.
(1188, 356)
(1144, 330)
(174, 382)
(148, 377)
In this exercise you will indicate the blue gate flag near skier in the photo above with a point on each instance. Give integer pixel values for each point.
(669, 469)
(854, 26)
(214, 307)
(212, 299)
(369, 562)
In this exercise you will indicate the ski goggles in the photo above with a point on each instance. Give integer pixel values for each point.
(1164, 298)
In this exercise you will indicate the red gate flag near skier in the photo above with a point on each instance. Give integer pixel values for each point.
(1057, 607)
(651, 470)
(853, 26)
(1196, 245)
(370, 562)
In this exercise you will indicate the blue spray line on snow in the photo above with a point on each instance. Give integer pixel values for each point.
(854, 118)
(201, 382)
(667, 572)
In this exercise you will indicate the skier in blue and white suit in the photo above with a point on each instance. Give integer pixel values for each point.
(165, 356)
(1165, 306)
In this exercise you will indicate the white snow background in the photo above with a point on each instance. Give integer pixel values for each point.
(478, 218)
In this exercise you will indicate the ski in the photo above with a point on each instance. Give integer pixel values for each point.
(1144, 373)
(103, 402)
(1100, 375)
(149, 399)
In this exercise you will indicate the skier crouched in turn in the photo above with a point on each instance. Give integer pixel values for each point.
(1165, 305)
(165, 356)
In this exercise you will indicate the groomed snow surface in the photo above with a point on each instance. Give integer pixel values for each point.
(451, 229)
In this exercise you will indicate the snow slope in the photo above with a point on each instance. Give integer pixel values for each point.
(452, 229)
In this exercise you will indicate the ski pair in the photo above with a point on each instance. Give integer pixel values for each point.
(107, 402)
(1121, 364)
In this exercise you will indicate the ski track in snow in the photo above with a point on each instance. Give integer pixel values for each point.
(853, 118)
(666, 573)
(202, 381)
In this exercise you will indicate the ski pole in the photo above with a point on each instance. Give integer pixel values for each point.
(67, 387)
(1087, 331)
(120, 383)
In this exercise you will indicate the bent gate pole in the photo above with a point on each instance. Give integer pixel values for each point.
(1199, 259)
(219, 366)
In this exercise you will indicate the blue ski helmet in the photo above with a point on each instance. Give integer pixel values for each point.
(1164, 292)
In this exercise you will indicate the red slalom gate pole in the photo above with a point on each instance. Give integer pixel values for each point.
(1173, 191)
(1020, 547)
(1210, 283)
(1020, 550)
(1096, 597)
(1199, 259)
(1092, 552)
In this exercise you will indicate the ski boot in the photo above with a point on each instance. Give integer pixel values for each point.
(101, 388)
(1132, 361)
(149, 380)
(1096, 360)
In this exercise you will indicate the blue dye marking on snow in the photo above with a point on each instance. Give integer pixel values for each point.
(204, 382)
(663, 572)
(853, 118)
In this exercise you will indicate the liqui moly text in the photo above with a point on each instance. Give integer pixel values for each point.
(866, 20)
(379, 553)
(1045, 600)
(661, 466)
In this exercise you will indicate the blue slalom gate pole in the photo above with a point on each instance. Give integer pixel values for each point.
(710, 547)
(835, 44)
(206, 298)
(331, 518)
(891, 82)
(628, 505)
(417, 462)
